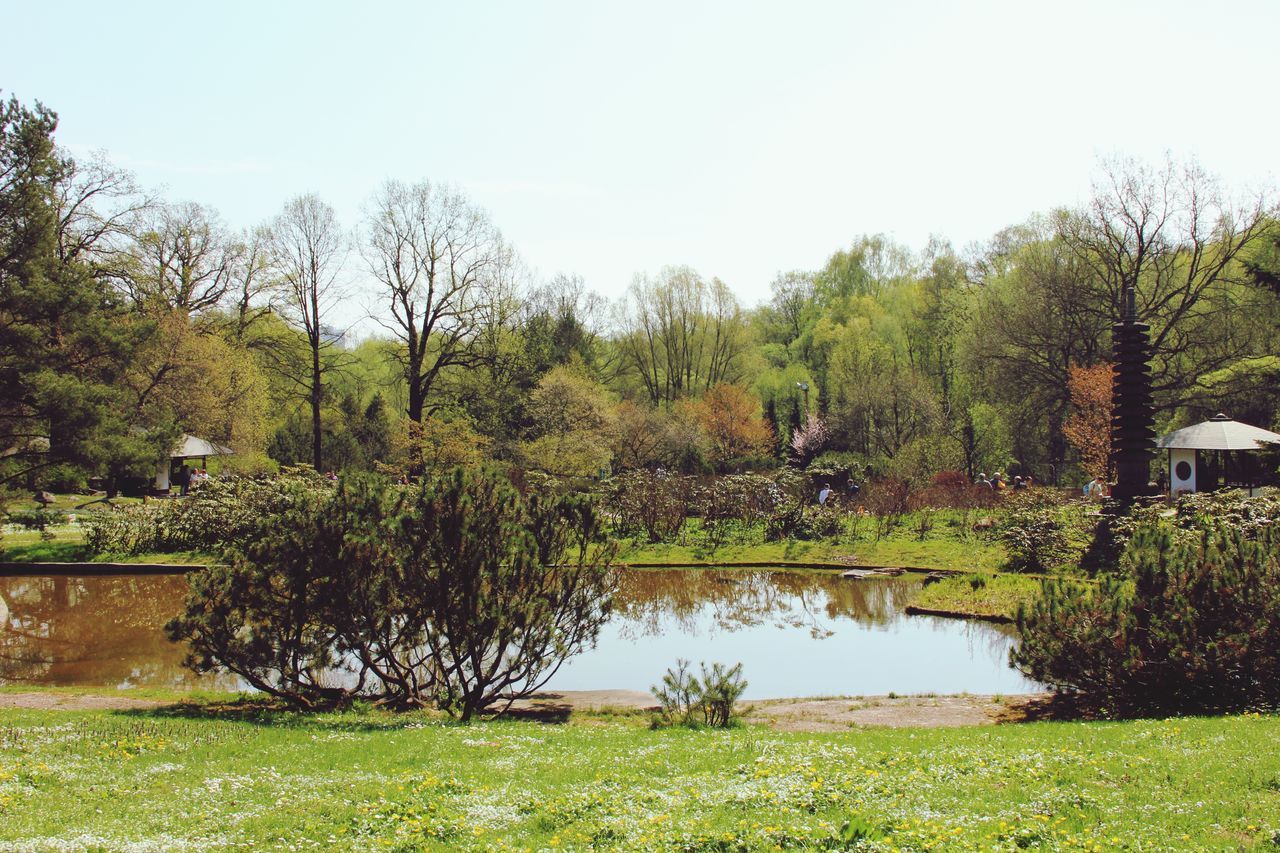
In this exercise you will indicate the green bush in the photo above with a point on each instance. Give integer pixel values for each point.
(1035, 540)
(687, 700)
(1196, 629)
(220, 512)
(459, 592)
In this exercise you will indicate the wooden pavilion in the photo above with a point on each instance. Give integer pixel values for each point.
(1216, 454)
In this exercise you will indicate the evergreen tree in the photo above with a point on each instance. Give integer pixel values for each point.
(65, 336)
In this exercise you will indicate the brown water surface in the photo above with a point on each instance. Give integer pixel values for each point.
(94, 631)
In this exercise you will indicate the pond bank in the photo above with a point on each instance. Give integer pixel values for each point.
(824, 714)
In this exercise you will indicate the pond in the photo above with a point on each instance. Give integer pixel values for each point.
(796, 634)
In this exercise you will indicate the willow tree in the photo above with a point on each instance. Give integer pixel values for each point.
(683, 335)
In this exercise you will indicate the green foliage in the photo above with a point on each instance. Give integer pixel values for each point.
(687, 700)
(266, 615)
(65, 335)
(221, 512)
(1035, 540)
(459, 592)
(1196, 629)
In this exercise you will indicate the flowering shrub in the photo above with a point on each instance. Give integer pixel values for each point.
(219, 512)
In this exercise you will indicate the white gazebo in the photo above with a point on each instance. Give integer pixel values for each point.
(1216, 453)
(188, 447)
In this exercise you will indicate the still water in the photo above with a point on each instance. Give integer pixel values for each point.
(796, 634)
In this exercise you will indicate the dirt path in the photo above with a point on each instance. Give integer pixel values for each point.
(797, 715)
(810, 715)
(53, 701)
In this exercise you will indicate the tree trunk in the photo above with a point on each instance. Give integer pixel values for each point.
(316, 389)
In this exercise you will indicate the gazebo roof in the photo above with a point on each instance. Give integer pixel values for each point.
(189, 446)
(1218, 433)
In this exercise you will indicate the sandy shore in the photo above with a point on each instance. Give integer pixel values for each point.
(808, 715)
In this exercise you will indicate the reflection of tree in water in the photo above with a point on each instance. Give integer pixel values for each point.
(106, 631)
(646, 599)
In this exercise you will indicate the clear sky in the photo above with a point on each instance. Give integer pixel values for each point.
(608, 138)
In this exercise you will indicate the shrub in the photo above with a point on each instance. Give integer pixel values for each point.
(1197, 629)
(1035, 540)
(819, 521)
(685, 698)
(888, 500)
(267, 615)
(221, 512)
(952, 490)
(650, 502)
(460, 592)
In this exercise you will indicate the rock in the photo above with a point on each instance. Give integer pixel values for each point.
(44, 498)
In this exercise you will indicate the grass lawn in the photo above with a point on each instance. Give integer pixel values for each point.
(67, 546)
(939, 553)
(980, 595)
(374, 781)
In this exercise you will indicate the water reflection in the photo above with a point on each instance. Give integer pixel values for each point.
(102, 631)
(650, 601)
(796, 633)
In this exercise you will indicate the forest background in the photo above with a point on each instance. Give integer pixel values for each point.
(128, 318)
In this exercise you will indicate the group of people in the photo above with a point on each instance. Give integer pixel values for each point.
(826, 492)
(997, 482)
(187, 478)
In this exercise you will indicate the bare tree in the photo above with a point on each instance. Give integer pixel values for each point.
(98, 208)
(182, 259)
(1174, 235)
(308, 249)
(443, 270)
(251, 282)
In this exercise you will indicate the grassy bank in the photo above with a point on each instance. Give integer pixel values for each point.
(989, 596)
(372, 781)
(891, 551)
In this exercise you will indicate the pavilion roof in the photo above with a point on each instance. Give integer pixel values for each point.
(189, 446)
(1218, 433)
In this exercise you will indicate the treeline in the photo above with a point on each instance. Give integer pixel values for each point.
(126, 320)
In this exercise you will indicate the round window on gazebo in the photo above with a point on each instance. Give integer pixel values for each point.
(1217, 454)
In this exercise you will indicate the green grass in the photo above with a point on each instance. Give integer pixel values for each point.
(28, 546)
(980, 595)
(896, 550)
(374, 781)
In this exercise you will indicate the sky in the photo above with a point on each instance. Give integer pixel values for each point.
(610, 139)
